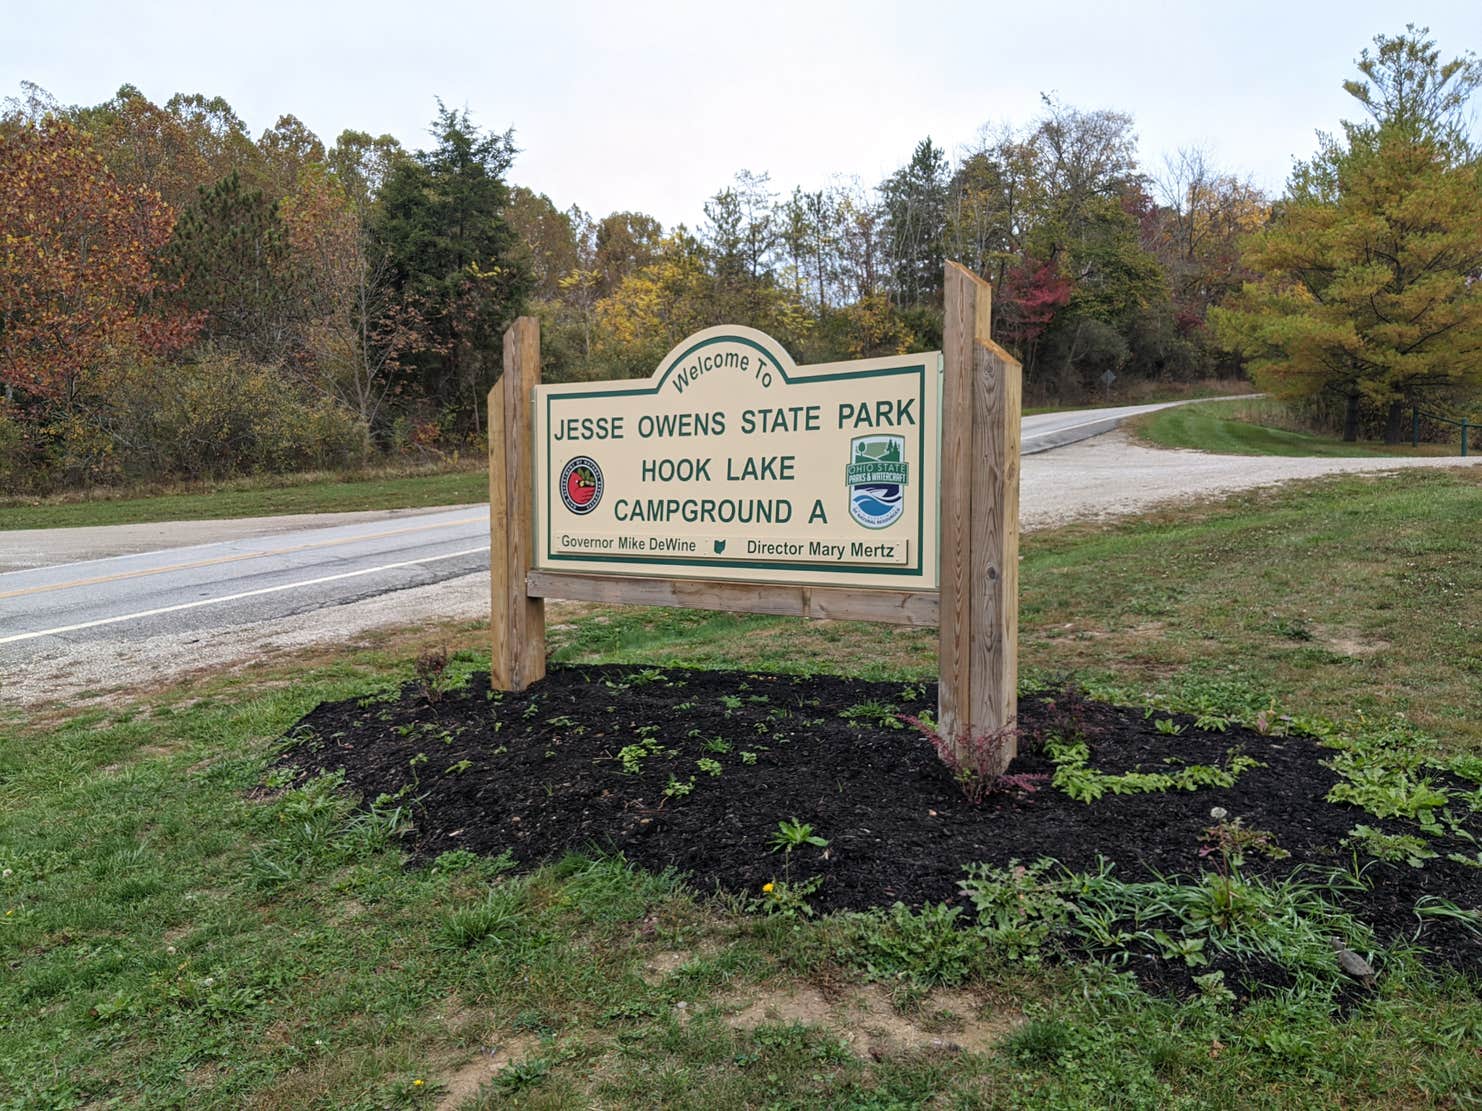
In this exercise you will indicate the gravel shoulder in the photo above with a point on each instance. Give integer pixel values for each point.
(1098, 479)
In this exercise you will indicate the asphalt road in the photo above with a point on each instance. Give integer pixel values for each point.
(204, 587)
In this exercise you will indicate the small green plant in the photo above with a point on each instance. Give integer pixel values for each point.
(789, 835)
(679, 788)
(748, 758)
(884, 714)
(459, 768)
(1018, 907)
(632, 756)
(278, 778)
(717, 745)
(1190, 950)
(708, 765)
(1169, 726)
(1467, 765)
(1232, 840)
(792, 834)
(1042, 1041)
(520, 1075)
(926, 948)
(1291, 628)
(1392, 848)
(496, 917)
(790, 900)
(730, 702)
(1023, 909)
(414, 764)
(1385, 792)
(1075, 776)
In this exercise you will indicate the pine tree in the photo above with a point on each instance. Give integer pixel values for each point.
(454, 257)
(231, 255)
(1368, 286)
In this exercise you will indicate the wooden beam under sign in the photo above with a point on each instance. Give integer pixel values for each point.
(895, 607)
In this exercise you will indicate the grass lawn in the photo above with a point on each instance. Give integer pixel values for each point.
(1254, 427)
(265, 497)
(178, 929)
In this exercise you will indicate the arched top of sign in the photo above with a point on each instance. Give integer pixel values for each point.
(710, 348)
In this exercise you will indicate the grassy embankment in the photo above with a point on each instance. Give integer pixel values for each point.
(1151, 393)
(1256, 426)
(175, 930)
(268, 496)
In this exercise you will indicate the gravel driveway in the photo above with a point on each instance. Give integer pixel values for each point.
(1112, 475)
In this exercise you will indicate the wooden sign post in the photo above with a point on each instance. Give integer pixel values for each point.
(978, 647)
(880, 490)
(517, 617)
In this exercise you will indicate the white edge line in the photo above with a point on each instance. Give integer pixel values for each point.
(1084, 424)
(246, 539)
(234, 597)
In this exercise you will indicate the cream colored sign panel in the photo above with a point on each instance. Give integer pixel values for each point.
(731, 462)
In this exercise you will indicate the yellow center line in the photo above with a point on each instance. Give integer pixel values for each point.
(192, 564)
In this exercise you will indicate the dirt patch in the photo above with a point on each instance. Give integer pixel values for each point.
(1350, 644)
(661, 965)
(464, 1082)
(694, 770)
(865, 1020)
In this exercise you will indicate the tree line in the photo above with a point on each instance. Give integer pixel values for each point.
(179, 298)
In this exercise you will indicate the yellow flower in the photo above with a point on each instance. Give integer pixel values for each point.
(766, 888)
(416, 1083)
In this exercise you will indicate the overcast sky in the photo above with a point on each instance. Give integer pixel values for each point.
(654, 106)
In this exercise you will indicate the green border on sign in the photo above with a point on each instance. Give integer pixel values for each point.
(918, 369)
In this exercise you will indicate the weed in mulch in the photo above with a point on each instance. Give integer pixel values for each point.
(695, 770)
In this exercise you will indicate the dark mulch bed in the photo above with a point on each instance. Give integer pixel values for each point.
(543, 778)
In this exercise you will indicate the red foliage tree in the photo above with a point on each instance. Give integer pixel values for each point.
(77, 262)
(1031, 294)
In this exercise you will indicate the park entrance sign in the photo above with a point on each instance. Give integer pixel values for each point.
(732, 479)
(730, 462)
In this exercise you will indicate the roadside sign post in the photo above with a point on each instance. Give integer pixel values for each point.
(732, 479)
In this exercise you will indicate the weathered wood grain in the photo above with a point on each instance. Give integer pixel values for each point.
(517, 619)
(896, 607)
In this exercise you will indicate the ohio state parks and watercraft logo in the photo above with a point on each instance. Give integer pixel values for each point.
(581, 484)
(877, 477)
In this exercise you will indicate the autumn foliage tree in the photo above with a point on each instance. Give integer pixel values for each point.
(79, 282)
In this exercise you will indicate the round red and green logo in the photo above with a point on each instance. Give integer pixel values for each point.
(581, 484)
